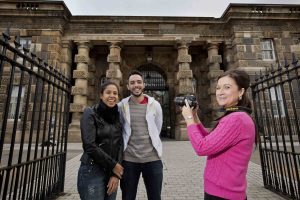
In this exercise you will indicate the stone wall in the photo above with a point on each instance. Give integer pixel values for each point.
(88, 48)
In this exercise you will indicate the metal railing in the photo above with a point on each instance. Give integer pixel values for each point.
(277, 112)
(33, 143)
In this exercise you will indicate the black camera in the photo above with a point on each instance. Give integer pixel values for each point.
(180, 101)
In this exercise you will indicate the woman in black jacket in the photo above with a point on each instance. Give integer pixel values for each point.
(101, 134)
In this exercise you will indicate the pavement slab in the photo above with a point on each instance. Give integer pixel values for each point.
(183, 176)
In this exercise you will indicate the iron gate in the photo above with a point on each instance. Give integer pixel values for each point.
(34, 104)
(156, 86)
(276, 97)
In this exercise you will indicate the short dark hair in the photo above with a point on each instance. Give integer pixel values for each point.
(107, 83)
(135, 72)
(242, 80)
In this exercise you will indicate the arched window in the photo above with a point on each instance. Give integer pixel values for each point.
(154, 77)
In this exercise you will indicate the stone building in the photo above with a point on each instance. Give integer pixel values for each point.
(177, 55)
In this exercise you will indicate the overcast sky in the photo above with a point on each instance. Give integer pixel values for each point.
(198, 8)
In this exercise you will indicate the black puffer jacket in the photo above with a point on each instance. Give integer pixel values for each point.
(101, 134)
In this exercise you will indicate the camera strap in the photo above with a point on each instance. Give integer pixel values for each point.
(229, 110)
(237, 109)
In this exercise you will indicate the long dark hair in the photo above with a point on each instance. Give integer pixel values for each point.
(242, 80)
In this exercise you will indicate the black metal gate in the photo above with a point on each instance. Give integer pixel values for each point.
(276, 96)
(156, 86)
(34, 104)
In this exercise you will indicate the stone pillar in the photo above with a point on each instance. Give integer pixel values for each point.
(93, 91)
(79, 91)
(185, 86)
(228, 56)
(213, 62)
(114, 60)
(66, 58)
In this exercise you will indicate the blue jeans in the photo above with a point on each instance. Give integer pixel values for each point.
(152, 174)
(92, 183)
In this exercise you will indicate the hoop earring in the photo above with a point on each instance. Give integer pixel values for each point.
(240, 98)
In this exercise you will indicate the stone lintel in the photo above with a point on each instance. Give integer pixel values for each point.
(214, 59)
(184, 58)
(114, 73)
(185, 90)
(77, 107)
(182, 74)
(80, 74)
(79, 91)
(82, 59)
(114, 58)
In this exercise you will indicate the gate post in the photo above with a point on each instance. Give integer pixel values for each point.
(79, 91)
(185, 86)
(213, 61)
(114, 59)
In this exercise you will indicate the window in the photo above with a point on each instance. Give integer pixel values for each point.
(25, 43)
(267, 49)
(277, 101)
(14, 100)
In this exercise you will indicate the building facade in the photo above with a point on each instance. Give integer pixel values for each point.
(177, 55)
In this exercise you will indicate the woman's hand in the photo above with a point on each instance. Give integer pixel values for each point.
(189, 114)
(112, 185)
(118, 170)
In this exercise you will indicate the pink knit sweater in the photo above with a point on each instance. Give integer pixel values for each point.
(228, 149)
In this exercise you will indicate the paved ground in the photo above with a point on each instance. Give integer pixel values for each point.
(183, 171)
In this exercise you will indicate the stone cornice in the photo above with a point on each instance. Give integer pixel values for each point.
(261, 11)
(29, 9)
(126, 39)
(142, 19)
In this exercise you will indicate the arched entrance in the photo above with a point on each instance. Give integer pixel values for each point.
(156, 86)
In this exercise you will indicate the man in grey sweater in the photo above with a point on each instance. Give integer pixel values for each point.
(141, 116)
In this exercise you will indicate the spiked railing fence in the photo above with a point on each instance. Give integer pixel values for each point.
(34, 104)
(276, 100)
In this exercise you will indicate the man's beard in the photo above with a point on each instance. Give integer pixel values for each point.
(137, 95)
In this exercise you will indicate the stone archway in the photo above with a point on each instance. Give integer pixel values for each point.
(156, 86)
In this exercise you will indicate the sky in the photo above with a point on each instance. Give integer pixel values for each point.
(194, 8)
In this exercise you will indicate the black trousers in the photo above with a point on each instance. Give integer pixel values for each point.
(212, 197)
(152, 173)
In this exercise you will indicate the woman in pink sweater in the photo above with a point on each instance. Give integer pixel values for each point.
(229, 145)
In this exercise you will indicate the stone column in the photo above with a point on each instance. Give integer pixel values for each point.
(228, 56)
(79, 91)
(114, 60)
(93, 91)
(185, 85)
(66, 58)
(213, 62)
